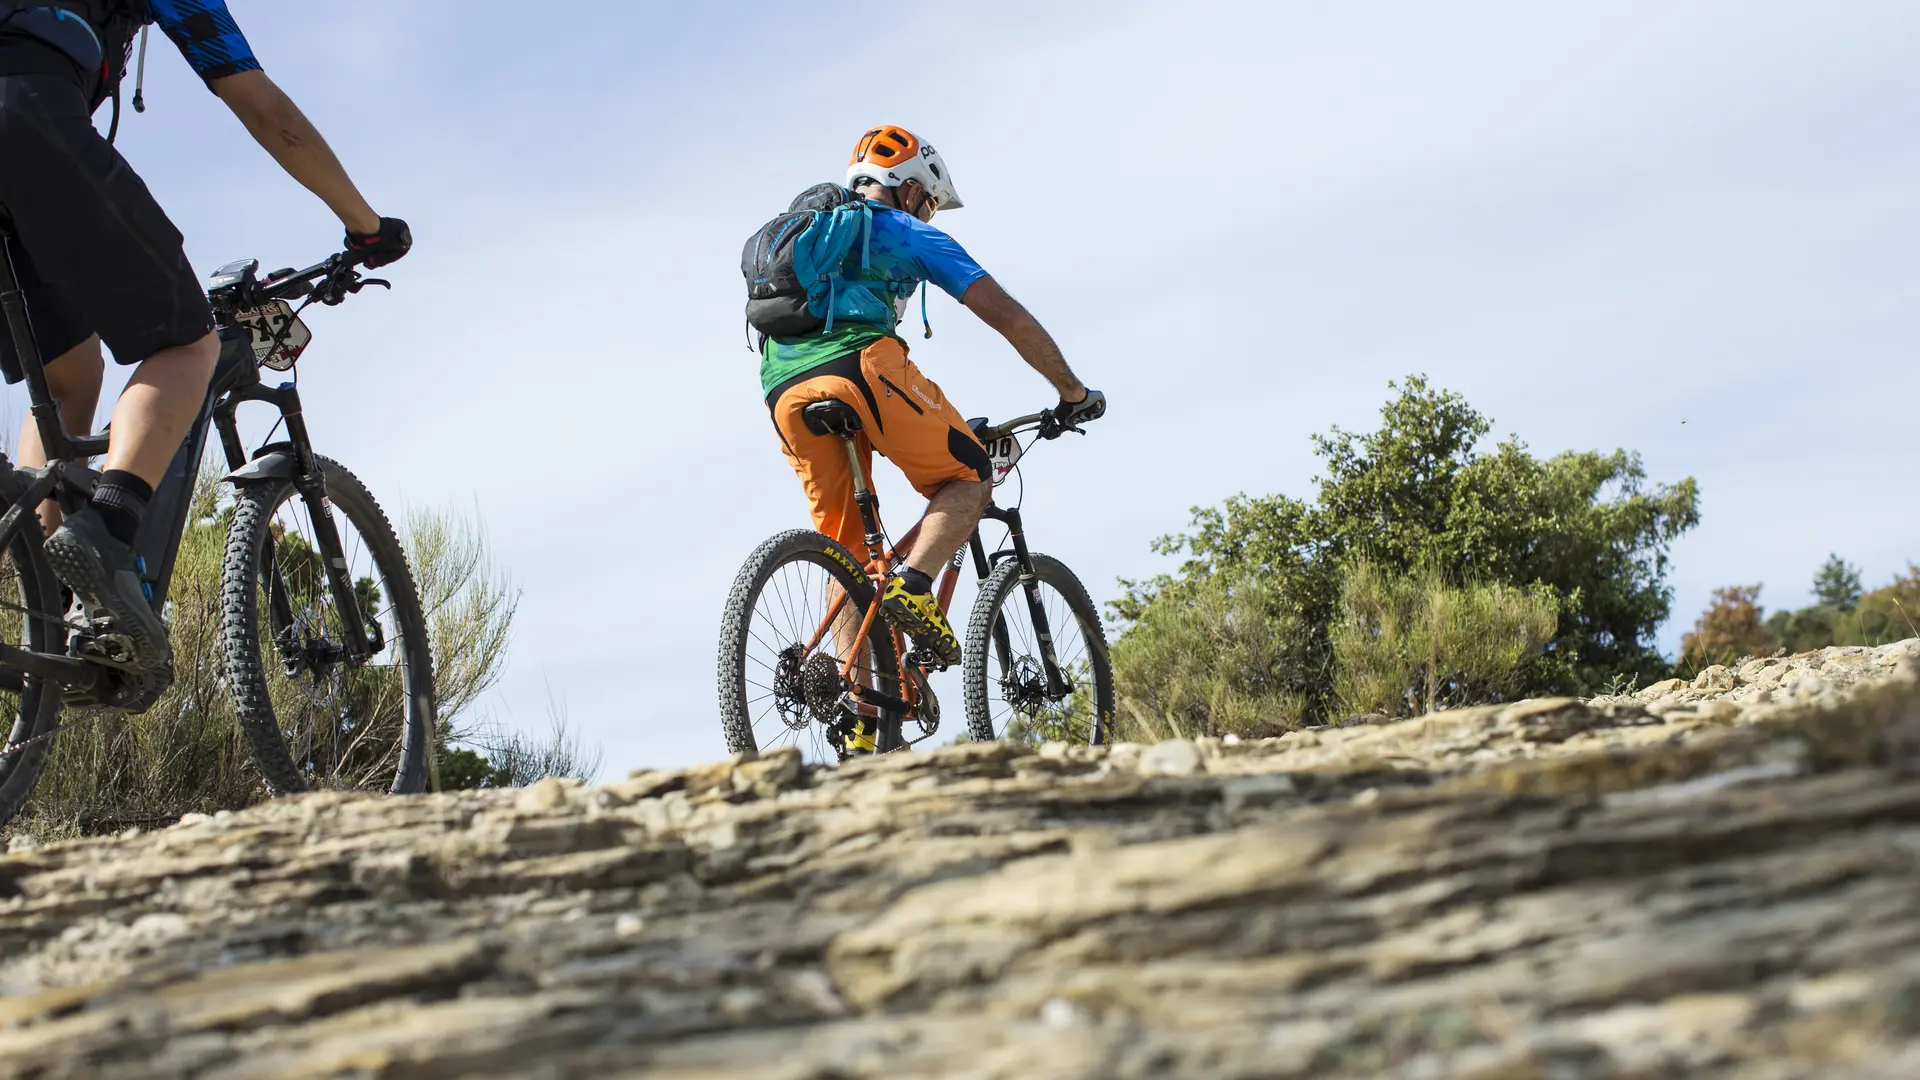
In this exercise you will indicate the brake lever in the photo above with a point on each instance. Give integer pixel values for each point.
(364, 282)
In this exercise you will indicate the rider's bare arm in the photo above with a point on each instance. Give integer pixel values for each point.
(286, 133)
(988, 300)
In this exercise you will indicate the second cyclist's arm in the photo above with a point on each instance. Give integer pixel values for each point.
(1001, 311)
(286, 133)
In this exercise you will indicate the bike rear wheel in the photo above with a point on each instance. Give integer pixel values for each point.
(31, 619)
(313, 715)
(776, 690)
(1009, 692)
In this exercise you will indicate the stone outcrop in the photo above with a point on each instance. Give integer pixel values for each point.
(1716, 879)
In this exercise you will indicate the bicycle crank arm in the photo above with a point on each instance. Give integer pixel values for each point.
(867, 696)
(69, 673)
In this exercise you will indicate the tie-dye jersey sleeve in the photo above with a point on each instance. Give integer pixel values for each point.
(904, 247)
(206, 35)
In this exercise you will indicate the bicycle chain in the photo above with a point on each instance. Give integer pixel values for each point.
(88, 718)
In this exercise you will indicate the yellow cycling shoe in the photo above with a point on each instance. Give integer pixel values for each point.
(861, 734)
(918, 613)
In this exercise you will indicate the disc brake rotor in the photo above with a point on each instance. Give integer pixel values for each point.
(789, 688)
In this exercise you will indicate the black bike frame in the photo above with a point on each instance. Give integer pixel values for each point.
(236, 380)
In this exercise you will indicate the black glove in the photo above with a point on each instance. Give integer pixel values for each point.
(1071, 414)
(374, 250)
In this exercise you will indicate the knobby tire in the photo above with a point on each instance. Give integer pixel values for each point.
(991, 602)
(254, 510)
(796, 545)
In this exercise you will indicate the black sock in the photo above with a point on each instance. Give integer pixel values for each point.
(915, 581)
(120, 498)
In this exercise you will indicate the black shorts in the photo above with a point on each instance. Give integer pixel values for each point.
(95, 253)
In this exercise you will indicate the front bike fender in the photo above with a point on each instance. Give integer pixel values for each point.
(272, 463)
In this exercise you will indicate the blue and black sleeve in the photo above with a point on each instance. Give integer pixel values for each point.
(206, 35)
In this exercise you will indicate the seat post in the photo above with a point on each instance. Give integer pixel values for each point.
(26, 356)
(864, 499)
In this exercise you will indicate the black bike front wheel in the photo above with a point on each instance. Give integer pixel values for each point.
(1024, 685)
(316, 716)
(30, 619)
(783, 649)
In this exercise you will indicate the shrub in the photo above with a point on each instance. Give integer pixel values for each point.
(1221, 662)
(187, 753)
(1412, 643)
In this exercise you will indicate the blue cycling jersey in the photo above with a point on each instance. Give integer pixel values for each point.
(205, 33)
(203, 30)
(908, 250)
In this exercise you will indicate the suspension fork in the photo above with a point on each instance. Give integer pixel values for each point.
(279, 601)
(1030, 585)
(312, 486)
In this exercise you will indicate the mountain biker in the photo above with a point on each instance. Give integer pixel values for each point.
(99, 261)
(903, 413)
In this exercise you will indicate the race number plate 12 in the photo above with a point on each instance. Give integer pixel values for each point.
(279, 337)
(1005, 452)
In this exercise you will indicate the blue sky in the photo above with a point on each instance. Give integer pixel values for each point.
(1240, 220)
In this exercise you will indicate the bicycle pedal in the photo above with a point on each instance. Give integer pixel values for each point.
(928, 659)
(112, 649)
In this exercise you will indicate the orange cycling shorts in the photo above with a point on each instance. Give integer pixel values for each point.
(903, 414)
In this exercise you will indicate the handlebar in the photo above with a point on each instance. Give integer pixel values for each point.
(1017, 426)
(1043, 422)
(329, 282)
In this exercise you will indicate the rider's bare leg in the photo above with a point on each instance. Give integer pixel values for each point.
(74, 379)
(160, 403)
(951, 515)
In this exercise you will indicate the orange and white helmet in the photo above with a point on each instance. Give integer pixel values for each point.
(893, 155)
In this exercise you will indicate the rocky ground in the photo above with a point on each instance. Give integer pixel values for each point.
(1714, 879)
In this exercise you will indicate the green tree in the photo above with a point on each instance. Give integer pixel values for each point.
(1885, 615)
(1837, 584)
(1587, 527)
(1730, 628)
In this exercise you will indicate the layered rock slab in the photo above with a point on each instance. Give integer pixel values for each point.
(1680, 883)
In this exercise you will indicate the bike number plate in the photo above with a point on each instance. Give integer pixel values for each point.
(1005, 452)
(279, 337)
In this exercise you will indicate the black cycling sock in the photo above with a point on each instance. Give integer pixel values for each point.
(915, 581)
(121, 500)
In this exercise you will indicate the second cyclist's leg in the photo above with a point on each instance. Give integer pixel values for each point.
(94, 231)
(74, 378)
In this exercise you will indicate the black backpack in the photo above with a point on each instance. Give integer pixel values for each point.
(778, 301)
(115, 22)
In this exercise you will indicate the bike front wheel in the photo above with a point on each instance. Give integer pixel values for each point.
(1036, 659)
(315, 715)
(791, 622)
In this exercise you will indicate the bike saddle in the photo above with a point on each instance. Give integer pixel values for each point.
(831, 418)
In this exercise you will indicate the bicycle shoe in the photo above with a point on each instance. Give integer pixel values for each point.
(860, 732)
(106, 575)
(919, 615)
